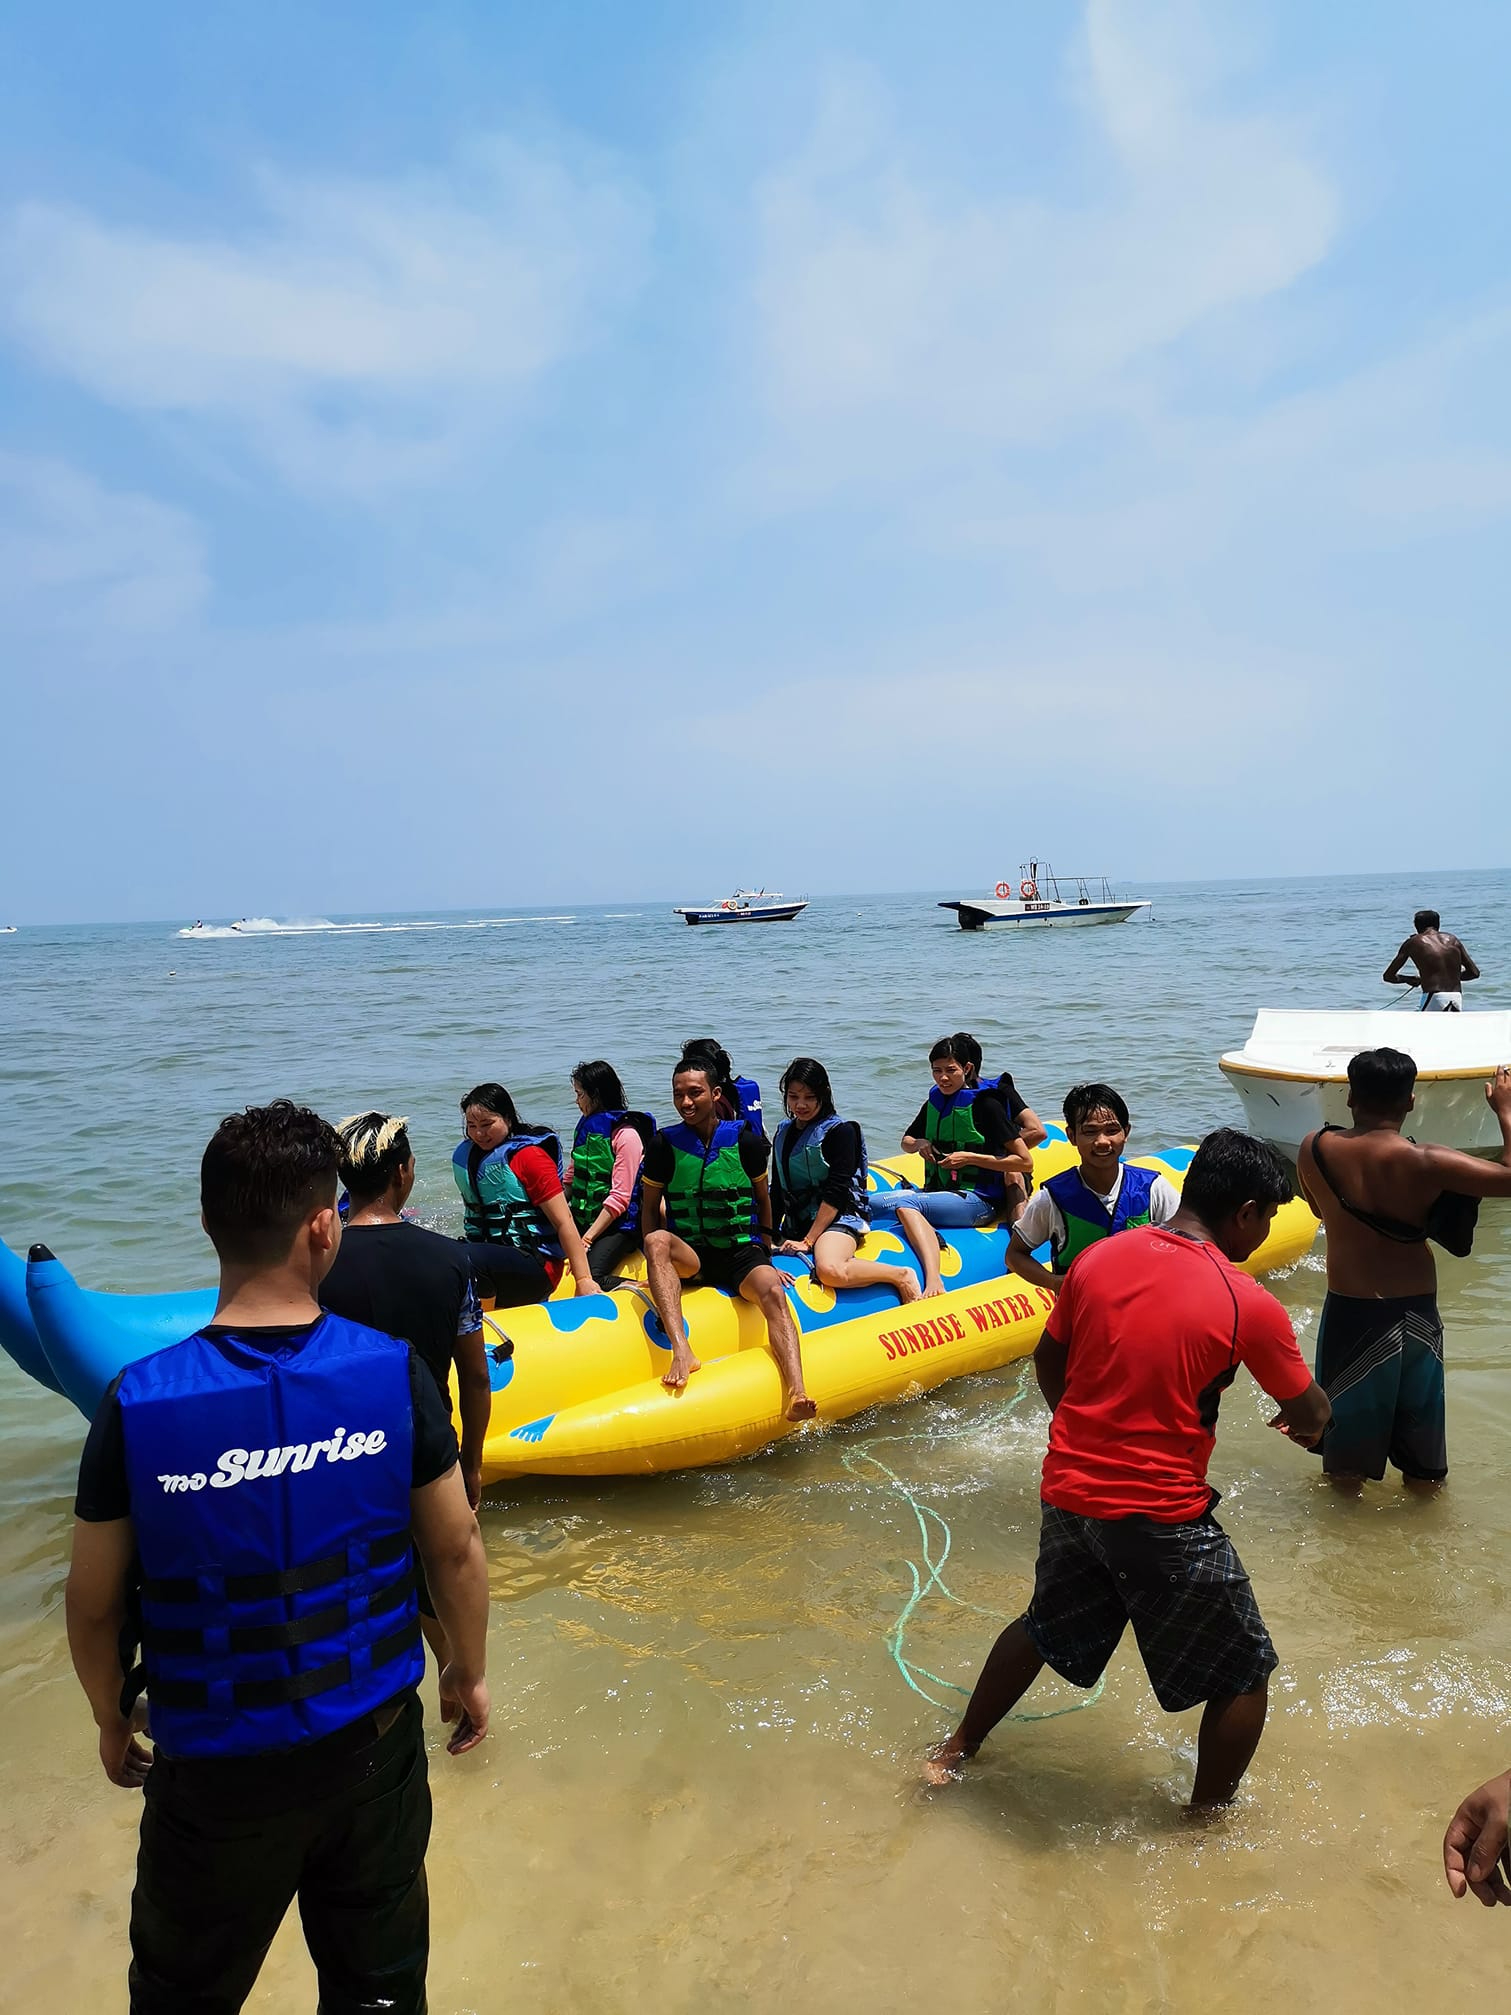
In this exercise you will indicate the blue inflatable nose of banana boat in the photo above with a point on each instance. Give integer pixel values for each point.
(75, 1341)
(18, 1333)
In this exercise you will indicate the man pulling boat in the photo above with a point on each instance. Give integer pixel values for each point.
(1442, 964)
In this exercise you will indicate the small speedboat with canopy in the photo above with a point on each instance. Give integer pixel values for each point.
(1040, 899)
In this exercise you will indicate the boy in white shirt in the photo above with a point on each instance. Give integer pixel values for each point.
(1080, 1206)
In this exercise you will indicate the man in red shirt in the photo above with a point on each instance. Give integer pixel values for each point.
(1148, 1333)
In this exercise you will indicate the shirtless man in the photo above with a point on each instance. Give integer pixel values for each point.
(1380, 1341)
(1442, 963)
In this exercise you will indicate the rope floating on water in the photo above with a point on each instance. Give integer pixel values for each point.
(931, 1577)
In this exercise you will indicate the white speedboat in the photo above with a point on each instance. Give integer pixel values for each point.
(1292, 1074)
(745, 906)
(1038, 900)
(7, 930)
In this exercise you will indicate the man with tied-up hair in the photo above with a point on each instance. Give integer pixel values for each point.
(248, 1505)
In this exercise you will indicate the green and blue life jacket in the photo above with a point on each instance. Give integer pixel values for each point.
(800, 1175)
(495, 1207)
(950, 1125)
(270, 1503)
(593, 1166)
(710, 1200)
(1087, 1218)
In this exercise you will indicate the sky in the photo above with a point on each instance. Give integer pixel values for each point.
(477, 455)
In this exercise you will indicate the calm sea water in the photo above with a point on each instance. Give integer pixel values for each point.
(699, 1784)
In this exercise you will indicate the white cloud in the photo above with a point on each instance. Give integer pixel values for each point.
(892, 301)
(106, 567)
(1413, 447)
(357, 330)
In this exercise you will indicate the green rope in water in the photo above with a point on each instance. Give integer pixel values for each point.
(932, 1576)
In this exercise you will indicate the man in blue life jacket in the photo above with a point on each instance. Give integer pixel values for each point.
(1081, 1205)
(248, 1500)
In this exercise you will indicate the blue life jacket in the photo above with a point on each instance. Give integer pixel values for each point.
(800, 1172)
(749, 1095)
(270, 1498)
(1087, 1218)
(495, 1206)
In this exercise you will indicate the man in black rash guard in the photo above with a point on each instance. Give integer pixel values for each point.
(413, 1283)
(271, 1592)
(408, 1281)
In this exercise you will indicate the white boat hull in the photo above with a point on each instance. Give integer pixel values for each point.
(1291, 1076)
(978, 913)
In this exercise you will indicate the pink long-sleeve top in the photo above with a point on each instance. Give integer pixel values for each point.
(629, 1152)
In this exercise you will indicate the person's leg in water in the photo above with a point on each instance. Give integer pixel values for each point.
(1074, 1622)
(1419, 1434)
(363, 1897)
(1231, 1725)
(1012, 1665)
(669, 1261)
(837, 1264)
(768, 1290)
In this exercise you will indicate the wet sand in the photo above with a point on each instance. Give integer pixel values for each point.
(701, 1784)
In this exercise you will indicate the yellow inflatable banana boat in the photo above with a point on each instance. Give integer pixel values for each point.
(577, 1380)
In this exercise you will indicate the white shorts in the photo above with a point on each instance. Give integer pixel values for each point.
(1443, 1004)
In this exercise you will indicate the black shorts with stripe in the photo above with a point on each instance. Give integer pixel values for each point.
(1181, 1586)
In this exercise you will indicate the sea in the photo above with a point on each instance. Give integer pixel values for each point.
(701, 1786)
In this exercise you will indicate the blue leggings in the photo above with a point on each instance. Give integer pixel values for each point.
(950, 1207)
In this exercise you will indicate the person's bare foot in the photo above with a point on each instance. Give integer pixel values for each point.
(1206, 1815)
(945, 1762)
(681, 1368)
(907, 1287)
(930, 1289)
(801, 1407)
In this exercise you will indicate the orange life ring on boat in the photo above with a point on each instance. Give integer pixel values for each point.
(1004, 890)
(1029, 891)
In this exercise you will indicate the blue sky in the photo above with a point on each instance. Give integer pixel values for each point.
(479, 455)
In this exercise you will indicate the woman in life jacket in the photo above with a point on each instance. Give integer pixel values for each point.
(603, 1169)
(969, 1147)
(818, 1186)
(517, 1226)
(734, 1097)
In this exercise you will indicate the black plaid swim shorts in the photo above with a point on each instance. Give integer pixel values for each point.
(1182, 1587)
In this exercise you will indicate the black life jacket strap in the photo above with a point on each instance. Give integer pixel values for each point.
(294, 1686)
(327, 1622)
(292, 1581)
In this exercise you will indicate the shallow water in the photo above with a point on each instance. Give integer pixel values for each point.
(699, 1785)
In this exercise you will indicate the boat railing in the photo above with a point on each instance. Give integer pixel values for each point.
(1041, 877)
